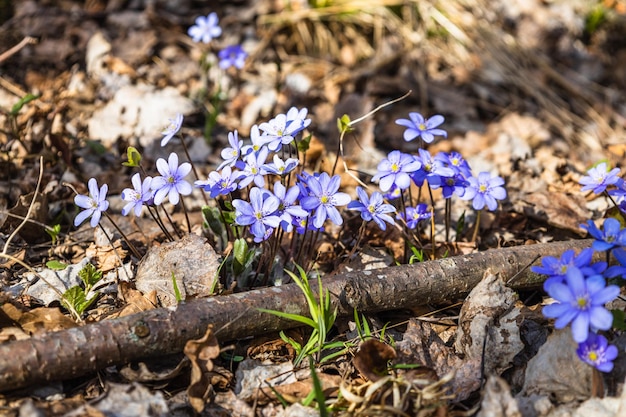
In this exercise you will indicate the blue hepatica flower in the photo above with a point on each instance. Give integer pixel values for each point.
(413, 215)
(556, 269)
(205, 29)
(258, 141)
(395, 170)
(172, 128)
(597, 352)
(232, 56)
(171, 183)
(455, 161)
(259, 213)
(93, 204)
(280, 167)
(220, 183)
(288, 209)
(417, 125)
(254, 169)
(231, 153)
(581, 301)
(485, 190)
(599, 177)
(140, 194)
(282, 129)
(433, 170)
(609, 237)
(373, 208)
(323, 198)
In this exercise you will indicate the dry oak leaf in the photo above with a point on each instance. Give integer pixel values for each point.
(373, 358)
(201, 352)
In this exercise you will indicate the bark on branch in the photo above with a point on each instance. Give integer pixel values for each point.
(75, 352)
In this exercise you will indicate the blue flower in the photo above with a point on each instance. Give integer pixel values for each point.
(259, 213)
(222, 183)
(395, 170)
(419, 126)
(93, 204)
(205, 29)
(373, 208)
(171, 183)
(611, 236)
(455, 161)
(137, 196)
(323, 198)
(232, 56)
(485, 190)
(597, 352)
(453, 185)
(282, 129)
(231, 154)
(288, 210)
(433, 170)
(599, 177)
(258, 141)
(172, 128)
(254, 169)
(618, 270)
(581, 301)
(413, 215)
(280, 167)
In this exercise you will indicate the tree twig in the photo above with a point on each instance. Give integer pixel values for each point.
(78, 351)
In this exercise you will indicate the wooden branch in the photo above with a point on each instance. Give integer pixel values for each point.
(78, 351)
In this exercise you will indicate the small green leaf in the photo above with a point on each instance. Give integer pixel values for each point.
(240, 253)
(56, 265)
(134, 157)
(304, 143)
(90, 276)
(53, 231)
(619, 319)
(177, 294)
(343, 124)
(96, 146)
(295, 317)
(75, 299)
(23, 101)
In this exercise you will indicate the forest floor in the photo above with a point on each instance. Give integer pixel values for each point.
(532, 91)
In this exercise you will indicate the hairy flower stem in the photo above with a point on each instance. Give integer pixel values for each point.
(126, 239)
(157, 218)
(172, 223)
(432, 222)
(193, 166)
(448, 216)
(476, 226)
(182, 203)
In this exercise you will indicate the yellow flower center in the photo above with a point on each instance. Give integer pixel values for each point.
(422, 126)
(582, 303)
(371, 209)
(394, 167)
(324, 199)
(593, 356)
(482, 188)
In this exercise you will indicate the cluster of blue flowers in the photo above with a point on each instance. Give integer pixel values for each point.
(579, 287)
(266, 189)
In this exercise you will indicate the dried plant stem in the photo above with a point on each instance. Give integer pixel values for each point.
(71, 353)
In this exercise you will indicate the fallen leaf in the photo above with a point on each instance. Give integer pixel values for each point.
(372, 359)
(44, 319)
(201, 353)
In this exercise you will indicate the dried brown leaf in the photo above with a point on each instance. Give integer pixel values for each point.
(373, 358)
(201, 352)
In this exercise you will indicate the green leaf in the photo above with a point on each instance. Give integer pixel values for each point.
(295, 317)
(23, 101)
(240, 254)
(177, 294)
(96, 146)
(53, 231)
(134, 157)
(619, 319)
(75, 300)
(343, 124)
(304, 144)
(460, 225)
(90, 276)
(56, 265)
(318, 390)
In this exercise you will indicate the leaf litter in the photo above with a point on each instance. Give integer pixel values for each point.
(541, 136)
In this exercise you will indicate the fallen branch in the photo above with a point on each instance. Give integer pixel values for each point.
(75, 352)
